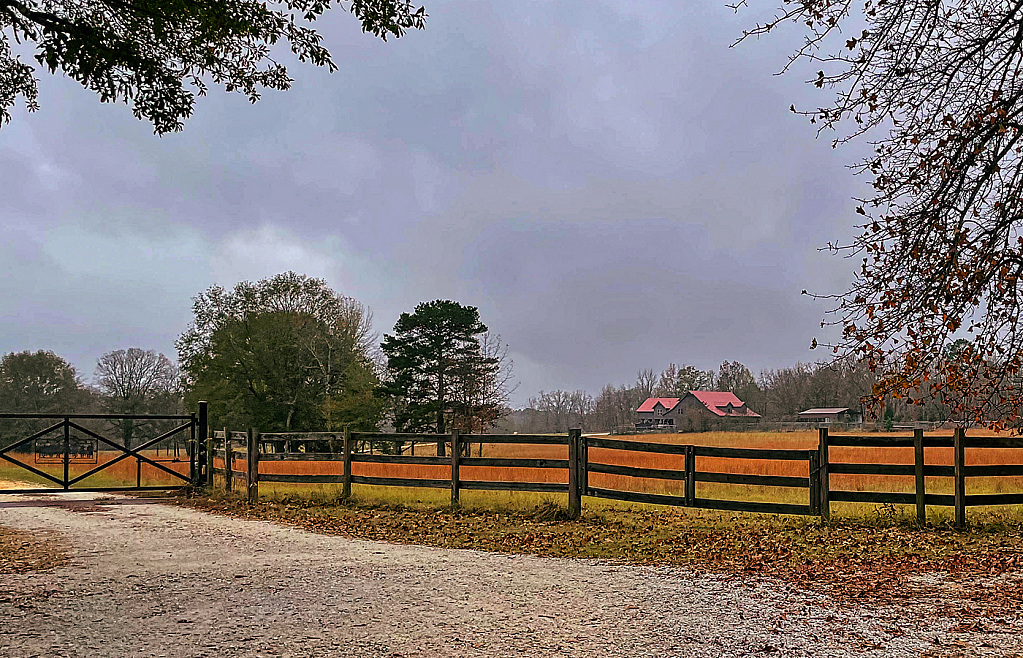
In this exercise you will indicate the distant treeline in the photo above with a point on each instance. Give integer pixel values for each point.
(127, 381)
(777, 395)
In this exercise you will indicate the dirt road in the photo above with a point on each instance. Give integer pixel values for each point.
(155, 580)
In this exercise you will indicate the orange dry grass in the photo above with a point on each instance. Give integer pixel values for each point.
(805, 440)
(410, 471)
(121, 474)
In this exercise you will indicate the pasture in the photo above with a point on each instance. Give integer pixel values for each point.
(796, 440)
(124, 473)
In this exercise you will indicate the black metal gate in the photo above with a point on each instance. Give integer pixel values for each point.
(68, 442)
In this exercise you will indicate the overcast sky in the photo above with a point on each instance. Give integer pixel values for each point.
(611, 184)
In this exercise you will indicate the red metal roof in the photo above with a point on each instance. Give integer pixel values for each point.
(650, 403)
(718, 403)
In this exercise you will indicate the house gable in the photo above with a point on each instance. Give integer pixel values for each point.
(723, 404)
(694, 410)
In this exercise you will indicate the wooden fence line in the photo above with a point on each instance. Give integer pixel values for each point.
(920, 470)
(579, 465)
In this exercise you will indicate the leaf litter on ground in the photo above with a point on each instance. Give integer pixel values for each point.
(24, 552)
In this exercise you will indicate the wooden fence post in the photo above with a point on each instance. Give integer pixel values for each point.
(824, 479)
(959, 448)
(203, 459)
(252, 461)
(584, 464)
(208, 441)
(575, 503)
(918, 461)
(814, 458)
(346, 486)
(228, 471)
(456, 456)
(690, 481)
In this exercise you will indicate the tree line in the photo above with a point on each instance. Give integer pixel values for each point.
(285, 354)
(777, 395)
(289, 353)
(125, 381)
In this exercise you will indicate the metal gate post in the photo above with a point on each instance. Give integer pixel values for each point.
(456, 459)
(202, 459)
(67, 451)
(193, 477)
(252, 470)
(228, 464)
(346, 486)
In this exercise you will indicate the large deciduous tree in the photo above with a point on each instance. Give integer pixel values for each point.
(286, 353)
(40, 383)
(429, 358)
(939, 86)
(136, 381)
(734, 377)
(159, 55)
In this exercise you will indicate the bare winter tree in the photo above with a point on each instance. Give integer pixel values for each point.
(483, 392)
(734, 376)
(939, 85)
(646, 382)
(676, 381)
(136, 381)
(615, 407)
(558, 411)
(786, 391)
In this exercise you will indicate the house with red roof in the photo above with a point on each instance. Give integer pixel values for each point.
(696, 410)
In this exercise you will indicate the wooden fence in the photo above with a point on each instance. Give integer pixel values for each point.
(454, 445)
(345, 447)
(920, 470)
(690, 475)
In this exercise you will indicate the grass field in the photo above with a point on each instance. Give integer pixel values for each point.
(121, 474)
(804, 440)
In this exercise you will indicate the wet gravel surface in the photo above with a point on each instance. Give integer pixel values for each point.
(156, 580)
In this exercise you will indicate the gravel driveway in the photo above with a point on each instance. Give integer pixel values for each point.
(156, 580)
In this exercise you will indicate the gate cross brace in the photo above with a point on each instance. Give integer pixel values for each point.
(129, 452)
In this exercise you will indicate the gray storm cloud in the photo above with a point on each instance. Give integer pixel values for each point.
(609, 182)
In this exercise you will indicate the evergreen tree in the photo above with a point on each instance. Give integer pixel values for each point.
(429, 356)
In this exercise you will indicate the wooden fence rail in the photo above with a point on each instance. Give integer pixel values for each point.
(251, 447)
(269, 447)
(920, 470)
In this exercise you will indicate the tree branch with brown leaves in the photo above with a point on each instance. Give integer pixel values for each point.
(939, 87)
